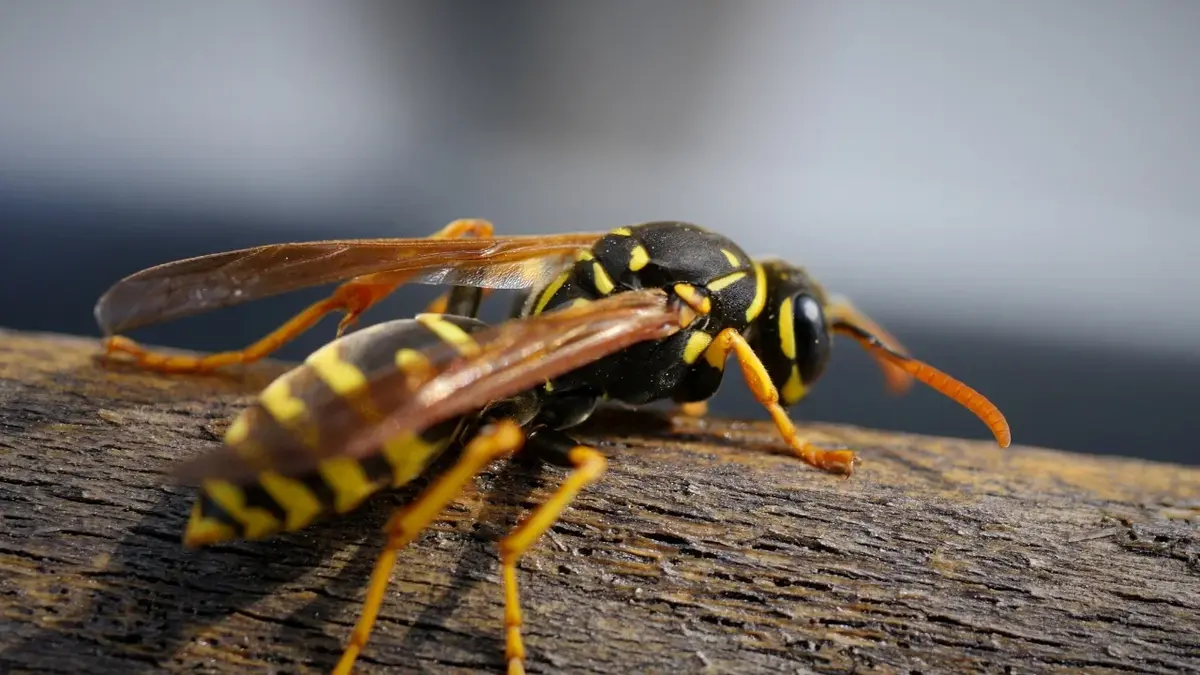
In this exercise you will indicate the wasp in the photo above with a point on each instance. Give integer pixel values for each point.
(640, 314)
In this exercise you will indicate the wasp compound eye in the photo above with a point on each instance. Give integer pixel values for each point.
(812, 337)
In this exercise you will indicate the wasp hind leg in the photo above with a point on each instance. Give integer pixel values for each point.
(497, 440)
(729, 340)
(587, 465)
(353, 297)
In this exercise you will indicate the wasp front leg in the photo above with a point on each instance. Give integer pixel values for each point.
(839, 461)
(353, 297)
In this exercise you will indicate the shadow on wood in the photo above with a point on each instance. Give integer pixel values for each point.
(706, 548)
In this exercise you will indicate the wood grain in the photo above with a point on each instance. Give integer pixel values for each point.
(706, 549)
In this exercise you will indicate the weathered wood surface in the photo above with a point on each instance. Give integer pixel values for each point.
(705, 549)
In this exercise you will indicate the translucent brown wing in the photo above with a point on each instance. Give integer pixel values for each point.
(514, 356)
(184, 287)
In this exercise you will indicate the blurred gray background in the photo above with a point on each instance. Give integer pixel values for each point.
(1011, 187)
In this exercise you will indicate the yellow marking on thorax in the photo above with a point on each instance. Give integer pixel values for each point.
(584, 255)
(456, 337)
(696, 344)
(345, 379)
(715, 355)
(409, 454)
(604, 283)
(638, 258)
(201, 531)
(301, 505)
(345, 476)
(731, 257)
(793, 390)
(693, 298)
(787, 329)
(622, 232)
(721, 283)
(550, 290)
(760, 294)
(232, 499)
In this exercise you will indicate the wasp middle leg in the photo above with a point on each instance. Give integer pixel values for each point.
(353, 297)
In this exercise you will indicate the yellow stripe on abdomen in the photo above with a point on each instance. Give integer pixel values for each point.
(409, 454)
(289, 411)
(202, 531)
(456, 337)
(345, 379)
(348, 481)
(296, 500)
(257, 522)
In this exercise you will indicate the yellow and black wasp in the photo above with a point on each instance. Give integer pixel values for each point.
(640, 314)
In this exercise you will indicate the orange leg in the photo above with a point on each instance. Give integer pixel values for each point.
(841, 310)
(503, 438)
(729, 340)
(353, 297)
(694, 409)
(589, 466)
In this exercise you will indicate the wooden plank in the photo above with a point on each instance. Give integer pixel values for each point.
(704, 549)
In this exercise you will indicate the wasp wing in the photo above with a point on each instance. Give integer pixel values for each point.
(185, 287)
(513, 357)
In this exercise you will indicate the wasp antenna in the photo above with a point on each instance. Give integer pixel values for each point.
(896, 378)
(967, 397)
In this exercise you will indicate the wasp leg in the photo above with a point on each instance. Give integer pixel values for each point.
(841, 310)
(502, 438)
(587, 465)
(694, 409)
(729, 340)
(353, 297)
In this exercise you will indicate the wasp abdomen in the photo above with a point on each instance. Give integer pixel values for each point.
(315, 407)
